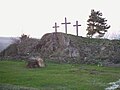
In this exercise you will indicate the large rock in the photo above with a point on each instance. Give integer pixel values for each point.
(57, 45)
(35, 62)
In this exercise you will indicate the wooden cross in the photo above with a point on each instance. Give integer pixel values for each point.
(66, 24)
(55, 27)
(76, 27)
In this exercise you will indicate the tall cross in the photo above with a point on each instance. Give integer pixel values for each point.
(66, 24)
(55, 27)
(76, 27)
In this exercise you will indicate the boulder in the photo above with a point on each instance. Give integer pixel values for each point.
(35, 62)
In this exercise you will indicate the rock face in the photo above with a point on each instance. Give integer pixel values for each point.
(61, 47)
(57, 46)
(72, 49)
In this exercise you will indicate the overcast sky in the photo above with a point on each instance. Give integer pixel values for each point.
(37, 17)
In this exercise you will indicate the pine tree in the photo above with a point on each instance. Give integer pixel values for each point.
(96, 24)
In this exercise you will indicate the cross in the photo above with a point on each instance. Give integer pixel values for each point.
(55, 27)
(66, 24)
(76, 27)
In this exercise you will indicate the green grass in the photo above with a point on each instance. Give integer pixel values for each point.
(54, 76)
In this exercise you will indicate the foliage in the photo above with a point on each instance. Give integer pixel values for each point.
(24, 37)
(96, 24)
(56, 76)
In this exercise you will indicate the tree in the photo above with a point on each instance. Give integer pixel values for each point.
(96, 24)
(24, 37)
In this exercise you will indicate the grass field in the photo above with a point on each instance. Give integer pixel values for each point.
(15, 76)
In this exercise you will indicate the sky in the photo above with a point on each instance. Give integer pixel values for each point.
(37, 17)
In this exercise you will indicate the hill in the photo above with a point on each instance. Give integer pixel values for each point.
(20, 49)
(66, 48)
(5, 42)
(72, 49)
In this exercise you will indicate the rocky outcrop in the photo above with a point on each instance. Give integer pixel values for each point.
(61, 47)
(57, 46)
(20, 50)
(69, 48)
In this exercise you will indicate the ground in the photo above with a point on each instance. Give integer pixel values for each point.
(14, 74)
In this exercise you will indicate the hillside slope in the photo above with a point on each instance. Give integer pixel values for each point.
(19, 50)
(61, 47)
(70, 48)
(5, 42)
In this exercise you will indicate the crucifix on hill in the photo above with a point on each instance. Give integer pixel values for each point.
(55, 27)
(76, 27)
(66, 24)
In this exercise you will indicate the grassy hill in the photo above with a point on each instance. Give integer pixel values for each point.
(66, 48)
(15, 76)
